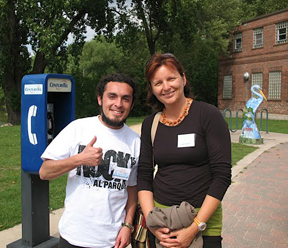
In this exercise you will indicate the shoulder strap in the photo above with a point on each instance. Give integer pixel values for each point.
(154, 127)
(153, 132)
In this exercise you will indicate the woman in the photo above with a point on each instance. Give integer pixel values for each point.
(192, 149)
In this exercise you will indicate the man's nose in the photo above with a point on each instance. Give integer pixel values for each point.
(118, 102)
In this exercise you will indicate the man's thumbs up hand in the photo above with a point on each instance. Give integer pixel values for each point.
(92, 142)
(91, 156)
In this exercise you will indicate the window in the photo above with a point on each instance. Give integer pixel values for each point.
(258, 38)
(281, 32)
(257, 78)
(227, 87)
(274, 85)
(238, 42)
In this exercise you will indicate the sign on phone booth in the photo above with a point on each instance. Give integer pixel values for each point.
(47, 106)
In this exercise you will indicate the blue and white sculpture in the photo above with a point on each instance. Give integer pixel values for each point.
(250, 133)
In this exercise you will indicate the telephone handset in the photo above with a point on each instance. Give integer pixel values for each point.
(50, 122)
(32, 136)
(50, 119)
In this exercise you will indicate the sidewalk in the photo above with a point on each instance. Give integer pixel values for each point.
(255, 206)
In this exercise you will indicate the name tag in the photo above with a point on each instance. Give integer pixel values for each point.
(186, 140)
(121, 173)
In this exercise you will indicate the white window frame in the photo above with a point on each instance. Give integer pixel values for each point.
(274, 91)
(227, 87)
(257, 78)
(281, 32)
(237, 42)
(258, 39)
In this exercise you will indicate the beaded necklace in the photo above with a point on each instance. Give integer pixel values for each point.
(171, 123)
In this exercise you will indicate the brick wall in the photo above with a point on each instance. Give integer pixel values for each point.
(271, 57)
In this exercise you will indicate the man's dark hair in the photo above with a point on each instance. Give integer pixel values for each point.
(116, 77)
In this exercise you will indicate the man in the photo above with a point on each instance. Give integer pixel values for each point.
(101, 155)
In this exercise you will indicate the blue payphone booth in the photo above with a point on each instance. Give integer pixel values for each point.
(47, 106)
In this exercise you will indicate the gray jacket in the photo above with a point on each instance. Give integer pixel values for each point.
(174, 218)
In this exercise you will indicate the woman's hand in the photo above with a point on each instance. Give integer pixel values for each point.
(162, 234)
(181, 238)
(160, 231)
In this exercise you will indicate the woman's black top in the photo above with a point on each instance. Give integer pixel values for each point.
(193, 158)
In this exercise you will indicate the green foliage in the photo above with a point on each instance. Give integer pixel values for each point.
(199, 44)
(44, 26)
(254, 8)
(100, 58)
(2, 97)
(14, 99)
(14, 56)
(195, 31)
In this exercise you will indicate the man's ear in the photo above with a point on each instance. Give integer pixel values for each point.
(132, 105)
(99, 100)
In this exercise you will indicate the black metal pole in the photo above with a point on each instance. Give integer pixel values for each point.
(35, 214)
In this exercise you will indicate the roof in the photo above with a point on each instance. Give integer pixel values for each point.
(265, 16)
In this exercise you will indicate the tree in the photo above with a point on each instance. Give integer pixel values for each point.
(148, 16)
(44, 25)
(100, 58)
(254, 8)
(197, 32)
(200, 44)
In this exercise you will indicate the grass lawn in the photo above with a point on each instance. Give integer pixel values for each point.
(10, 178)
(275, 126)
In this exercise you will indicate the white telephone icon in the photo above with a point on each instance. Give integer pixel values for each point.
(32, 136)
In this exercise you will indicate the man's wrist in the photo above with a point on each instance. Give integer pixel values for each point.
(130, 226)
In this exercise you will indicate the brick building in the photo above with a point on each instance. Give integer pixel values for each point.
(258, 55)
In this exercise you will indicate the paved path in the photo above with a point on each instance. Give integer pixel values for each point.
(255, 206)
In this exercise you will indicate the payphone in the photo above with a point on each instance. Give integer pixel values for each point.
(47, 106)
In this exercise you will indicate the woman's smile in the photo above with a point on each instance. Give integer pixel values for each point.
(168, 85)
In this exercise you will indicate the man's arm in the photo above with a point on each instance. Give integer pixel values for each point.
(131, 204)
(124, 235)
(52, 169)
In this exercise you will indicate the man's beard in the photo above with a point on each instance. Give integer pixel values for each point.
(110, 122)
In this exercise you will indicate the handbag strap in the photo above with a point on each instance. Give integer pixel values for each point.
(154, 127)
(153, 132)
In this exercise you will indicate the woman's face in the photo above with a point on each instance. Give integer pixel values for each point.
(168, 85)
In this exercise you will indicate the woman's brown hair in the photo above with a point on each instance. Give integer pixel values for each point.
(156, 61)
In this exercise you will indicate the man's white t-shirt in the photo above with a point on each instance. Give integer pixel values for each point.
(96, 196)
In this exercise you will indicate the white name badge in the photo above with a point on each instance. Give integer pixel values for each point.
(113, 166)
(186, 140)
(121, 173)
